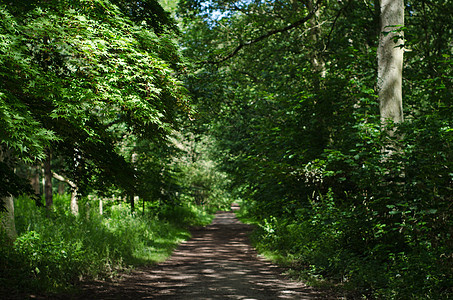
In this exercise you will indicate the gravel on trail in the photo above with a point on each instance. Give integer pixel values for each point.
(218, 262)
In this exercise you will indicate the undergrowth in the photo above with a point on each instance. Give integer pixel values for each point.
(314, 245)
(55, 250)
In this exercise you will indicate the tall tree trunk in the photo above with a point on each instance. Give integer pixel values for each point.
(101, 206)
(34, 179)
(390, 61)
(77, 174)
(61, 188)
(7, 221)
(48, 181)
(133, 198)
(132, 202)
(317, 61)
(7, 217)
(35, 183)
(74, 201)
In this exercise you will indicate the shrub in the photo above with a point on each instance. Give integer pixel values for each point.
(55, 249)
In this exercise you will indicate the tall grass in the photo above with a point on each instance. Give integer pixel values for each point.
(55, 249)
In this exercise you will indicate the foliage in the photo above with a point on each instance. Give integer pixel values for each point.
(201, 182)
(284, 116)
(83, 78)
(295, 117)
(52, 253)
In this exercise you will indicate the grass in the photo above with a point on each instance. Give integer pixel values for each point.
(55, 250)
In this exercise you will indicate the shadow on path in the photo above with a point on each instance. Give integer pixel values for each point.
(217, 263)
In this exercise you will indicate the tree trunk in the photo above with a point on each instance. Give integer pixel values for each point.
(317, 61)
(390, 61)
(34, 179)
(61, 188)
(133, 197)
(101, 208)
(132, 202)
(7, 218)
(7, 221)
(48, 181)
(36, 184)
(74, 202)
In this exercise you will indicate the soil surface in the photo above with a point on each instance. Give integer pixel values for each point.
(216, 263)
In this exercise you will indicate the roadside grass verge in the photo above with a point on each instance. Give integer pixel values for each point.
(56, 250)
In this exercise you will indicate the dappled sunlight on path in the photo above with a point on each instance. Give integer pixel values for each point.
(217, 263)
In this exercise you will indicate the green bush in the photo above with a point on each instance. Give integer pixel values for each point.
(187, 214)
(55, 249)
(376, 222)
(366, 254)
(53, 263)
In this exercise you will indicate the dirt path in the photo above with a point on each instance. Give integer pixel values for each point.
(217, 263)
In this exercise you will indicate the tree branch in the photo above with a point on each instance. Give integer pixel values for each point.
(64, 179)
(340, 11)
(74, 204)
(265, 36)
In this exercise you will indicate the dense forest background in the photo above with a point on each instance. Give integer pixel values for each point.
(331, 122)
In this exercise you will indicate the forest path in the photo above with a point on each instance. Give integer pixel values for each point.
(218, 262)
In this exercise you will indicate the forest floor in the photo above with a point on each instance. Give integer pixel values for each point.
(218, 262)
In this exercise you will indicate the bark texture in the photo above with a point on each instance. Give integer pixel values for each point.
(315, 35)
(7, 221)
(35, 180)
(7, 218)
(48, 181)
(390, 60)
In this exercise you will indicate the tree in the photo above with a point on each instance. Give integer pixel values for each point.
(303, 144)
(390, 60)
(149, 11)
(81, 76)
(48, 193)
(6, 199)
